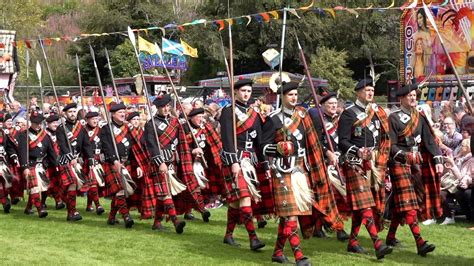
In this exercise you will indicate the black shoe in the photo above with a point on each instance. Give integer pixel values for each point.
(74, 218)
(281, 259)
(425, 249)
(261, 224)
(382, 251)
(100, 210)
(393, 243)
(342, 235)
(179, 227)
(89, 209)
(230, 241)
(15, 201)
(256, 244)
(42, 213)
(319, 234)
(356, 249)
(112, 221)
(28, 211)
(128, 221)
(205, 216)
(303, 262)
(189, 216)
(7, 207)
(60, 205)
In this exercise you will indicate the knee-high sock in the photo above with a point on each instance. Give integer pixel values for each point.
(355, 228)
(291, 231)
(281, 239)
(3, 195)
(247, 219)
(113, 209)
(169, 208)
(93, 196)
(121, 205)
(44, 196)
(71, 201)
(233, 215)
(159, 211)
(35, 200)
(412, 221)
(368, 221)
(394, 223)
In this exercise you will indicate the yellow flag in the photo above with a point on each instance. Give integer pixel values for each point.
(188, 50)
(144, 45)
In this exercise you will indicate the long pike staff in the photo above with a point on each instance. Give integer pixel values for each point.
(39, 74)
(175, 92)
(280, 67)
(231, 79)
(54, 91)
(131, 36)
(107, 117)
(433, 23)
(80, 86)
(313, 91)
(109, 66)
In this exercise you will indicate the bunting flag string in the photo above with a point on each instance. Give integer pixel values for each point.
(220, 24)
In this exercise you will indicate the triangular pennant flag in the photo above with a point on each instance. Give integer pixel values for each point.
(331, 11)
(435, 11)
(259, 18)
(250, 19)
(274, 14)
(293, 11)
(47, 41)
(171, 47)
(230, 21)
(28, 44)
(265, 17)
(144, 45)
(391, 5)
(221, 24)
(307, 7)
(188, 50)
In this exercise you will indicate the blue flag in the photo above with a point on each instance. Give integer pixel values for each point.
(171, 47)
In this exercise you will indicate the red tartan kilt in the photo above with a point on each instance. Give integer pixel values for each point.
(112, 180)
(432, 184)
(232, 191)
(266, 205)
(184, 202)
(404, 193)
(54, 179)
(86, 170)
(135, 200)
(341, 203)
(67, 176)
(213, 174)
(359, 192)
(18, 183)
(160, 184)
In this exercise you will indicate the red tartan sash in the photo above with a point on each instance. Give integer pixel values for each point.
(172, 127)
(55, 143)
(189, 137)
(366, 121)
(76, 130)
(412, 125)
(123, 132)
(41, 135)
(243, 126)
(94, 134)
(335, 124)
(295, 122)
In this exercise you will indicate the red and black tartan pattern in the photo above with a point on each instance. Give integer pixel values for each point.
(54, 181)
(432, 188)
(67, 176)
(145, 184)
(32, 178)
(267, 204)
(404, 193)
(18, 183)
(113, 180)
(359, 192)
(324, 198)
(159, 180)
(232, 190)
(169, 134)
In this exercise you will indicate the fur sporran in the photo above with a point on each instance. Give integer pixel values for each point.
(250, 176)
(301, 190)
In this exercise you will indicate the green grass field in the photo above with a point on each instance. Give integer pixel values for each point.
(29, 240)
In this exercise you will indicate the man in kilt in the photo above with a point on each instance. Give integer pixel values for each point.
(300, 184)
(18, 183)
(240, 184)
(166, 147)
(410, 135)
(144, 198)
(328, 109)
(365, 144)
(95, 172)
(31, 159)
(54, 190)
(6, 177)
(209, 147)
(118, 167)
(71, 161)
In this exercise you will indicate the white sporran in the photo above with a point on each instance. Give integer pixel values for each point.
(302, 192)
(176, 187)
(250, 176)
(200, 174)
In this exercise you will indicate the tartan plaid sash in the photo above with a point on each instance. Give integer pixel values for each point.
(12, 136)
(138, 150)
(75, 130)
(411, 126)
(123, 132)
(243, 126)
(38, 140)
(364, 122)
(168, 135)
(384, 146)
(94, 134)
(55, 143)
